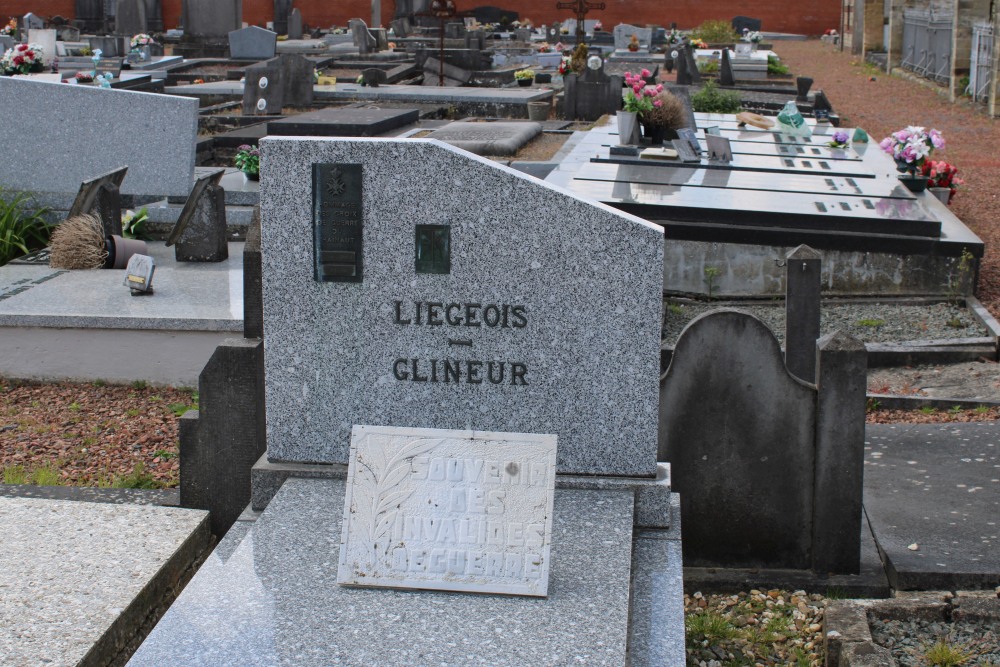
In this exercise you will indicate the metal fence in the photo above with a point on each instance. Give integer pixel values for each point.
(981, 62)
(927, 43)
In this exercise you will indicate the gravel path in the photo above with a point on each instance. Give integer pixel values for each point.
(910, 641)
(868, 322)
(889, 103)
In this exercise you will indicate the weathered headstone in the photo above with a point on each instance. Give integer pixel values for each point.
(6, 43)
(68, 33)
(130, 17)
(381, 38)
(31, 21)
(757, 491)
(211, 18)
(295, 24)
(741, 23)
(263, 89)
(623, 37)
(687, 68)
(488, 138)
(362, 37)
(297, 79)
(154, 16)
(477, 480)
(110, 47)
(281, 11)
(200, 232)
(161, 128)
(45, 38)
(101, 196)
(373, 76)
(252, 43)
(726, 75)
(90, 14)
(802, 86)
(400, 27)
(590, 95)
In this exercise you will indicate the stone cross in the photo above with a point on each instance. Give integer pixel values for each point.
(581, 7)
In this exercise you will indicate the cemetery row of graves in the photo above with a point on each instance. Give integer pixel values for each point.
(476, 323)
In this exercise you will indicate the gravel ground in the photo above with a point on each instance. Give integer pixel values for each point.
(910, 641)
(881, 104)
(869, 322)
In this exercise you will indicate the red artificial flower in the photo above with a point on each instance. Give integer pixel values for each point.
(30, 55)
(18, 61)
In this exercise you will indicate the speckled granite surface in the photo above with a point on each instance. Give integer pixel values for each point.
(274, 601)
(71, 574)
(188, 296)
(587, 278)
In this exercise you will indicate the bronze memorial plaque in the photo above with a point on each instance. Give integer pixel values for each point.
(338, 222)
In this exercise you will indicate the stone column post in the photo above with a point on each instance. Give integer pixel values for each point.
(802, 295)
(841, 379)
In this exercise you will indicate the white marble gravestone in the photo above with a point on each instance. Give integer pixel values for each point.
(448, 510)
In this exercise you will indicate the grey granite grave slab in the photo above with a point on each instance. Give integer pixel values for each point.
(252, 43)
(488, 138)
(78, 579)
(588, 282)
(344, 122)
(211, 18)
(154, 135)
(292, 612)
(623, 36)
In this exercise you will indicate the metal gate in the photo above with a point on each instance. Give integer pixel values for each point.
(927, 44)
(981, 65)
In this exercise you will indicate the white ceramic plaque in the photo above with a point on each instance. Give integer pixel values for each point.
(448, 510)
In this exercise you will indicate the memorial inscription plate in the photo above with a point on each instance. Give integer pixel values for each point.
(448, 510)
(338, 222)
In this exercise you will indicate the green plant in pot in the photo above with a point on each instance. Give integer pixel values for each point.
(247, 160)
(661, 122)
(22, 230)
(524, 77)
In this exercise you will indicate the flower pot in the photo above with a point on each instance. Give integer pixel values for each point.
(628, 128)
(120, 250)
(943, 194)
(657, 135)
(538, 111)
(252, 175)
(913, 182)
(524, 83)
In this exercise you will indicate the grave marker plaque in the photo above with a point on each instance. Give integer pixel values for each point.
(448, 510)
(338, 222)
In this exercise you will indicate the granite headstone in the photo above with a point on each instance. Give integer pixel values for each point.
(263, 89)
(252, 43)
(623, 36)
(295, 24)
(212, 18)
(200, 232)
(31, 21)
(130, 17)
(363, 39)
(281, 10)
(45, 38)
(443, 324)
(590, 95)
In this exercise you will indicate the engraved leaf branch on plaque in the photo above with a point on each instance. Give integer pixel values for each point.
(385, 470)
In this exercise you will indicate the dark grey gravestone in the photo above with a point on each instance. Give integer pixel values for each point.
(475, 40)
(802, 86)
(200, 232)
(253, 304)
(687, 68)
(297, 79)
(552, 35)
(726, 76)
(488, 138)
(373, 76)
(454, 30)
(263, 89)
(154, 16)
(90, 14)
(362, 37)
(344, 122)
(100, 196)
(211, 18)
(590, 95)
(400, 28)
(220, 442)
(381, 38)
(130, 17)
(252, 43)
(281, 11)
(802, 298)
(111, 47)
(31, 21)
(295, 24)
(437, 73)
(68, 33)
(821, 103)
(741, 23)
(742, 460)
(841, 378)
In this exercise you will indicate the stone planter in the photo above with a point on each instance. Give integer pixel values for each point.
(628, 128)
(914, 183)
(538, 111)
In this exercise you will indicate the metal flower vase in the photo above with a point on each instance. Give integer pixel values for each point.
(628, 128)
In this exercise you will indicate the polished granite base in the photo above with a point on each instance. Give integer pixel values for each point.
(78, 579)
(269, 597)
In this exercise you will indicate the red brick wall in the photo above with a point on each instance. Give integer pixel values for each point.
(809, 17)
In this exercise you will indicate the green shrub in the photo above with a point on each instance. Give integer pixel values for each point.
(715, 32)
(712, 100)
(709, 67)
(21, 232)
(775, 66)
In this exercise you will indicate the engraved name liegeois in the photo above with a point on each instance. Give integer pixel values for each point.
(468, 317)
